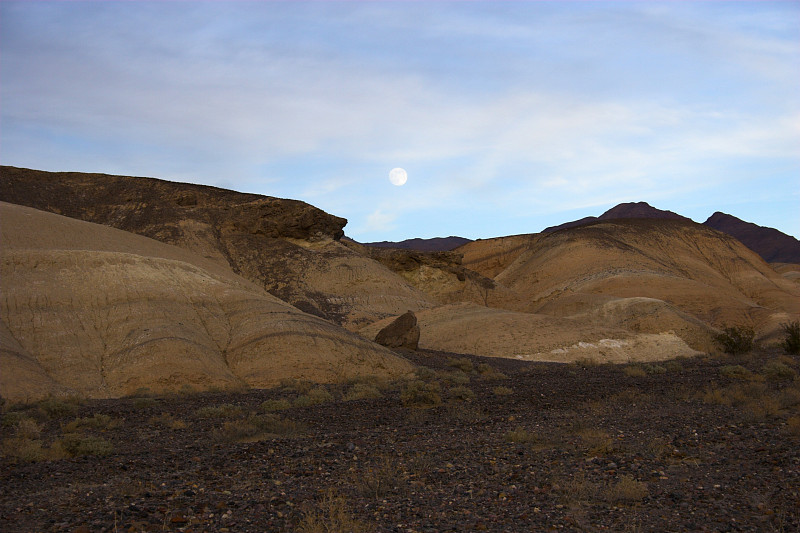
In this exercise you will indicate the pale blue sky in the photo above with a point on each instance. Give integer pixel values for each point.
(508, 116)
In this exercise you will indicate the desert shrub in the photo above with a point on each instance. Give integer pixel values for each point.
(12, 418)
(144, 402)
(463, 364)
(519, 435)
(225, 410)
(296, 385)
(502, 391)
(78, 445)
(276, 405)
(58, 407)
(789, 397)
(626, 490)
(777, 371)
(362, 391)
(597, 441)
(673, 366)
(168, 421)
(420, 394)
(489, 372)
(28, 428)
(461, 393)
(425, 374)
(736, 340)
(791, 340)
(576, 489)
(257, 427)
(737, 372)
(381, 478)
(635, 371)
(331, 514)
(457, 377)
(23, 450)
(654, 369)
(315, 396)
(98, 421)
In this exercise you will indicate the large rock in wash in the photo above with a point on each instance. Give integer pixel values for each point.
(403, 333)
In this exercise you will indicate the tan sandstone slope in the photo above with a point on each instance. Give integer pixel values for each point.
(642, 274)
(288, 247)
(101, 312)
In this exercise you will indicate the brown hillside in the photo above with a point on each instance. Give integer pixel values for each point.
(700, 274)
(103, 312)
(288, 247)
(771, 244)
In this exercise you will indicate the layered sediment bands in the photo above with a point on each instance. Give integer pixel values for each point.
(706, 275)
(287, 247)
(469, 328)
(103, 312)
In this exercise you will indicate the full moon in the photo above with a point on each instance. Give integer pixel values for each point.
(398, 176)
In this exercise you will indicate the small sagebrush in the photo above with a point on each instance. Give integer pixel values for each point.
(791, 341)
(736, 340)
(421, 395)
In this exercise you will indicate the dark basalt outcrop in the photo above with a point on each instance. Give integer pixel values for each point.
(153, 207)
(771, 244)
(403, 333)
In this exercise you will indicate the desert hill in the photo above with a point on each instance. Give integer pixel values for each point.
(288, 247)
(622, 271)
(774, 246)
(93, 310)
(624, 210)
(436, 244)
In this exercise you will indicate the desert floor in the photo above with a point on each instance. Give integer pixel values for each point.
(702, 444)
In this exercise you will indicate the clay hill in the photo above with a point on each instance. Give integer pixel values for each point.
(646, 275)
(436, 244)
(151, 283)
(772, 245)
(101, 312)
(290, 248)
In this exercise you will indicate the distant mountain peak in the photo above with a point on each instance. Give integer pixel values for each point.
(771, 244)
(624, 210)
(436, 244)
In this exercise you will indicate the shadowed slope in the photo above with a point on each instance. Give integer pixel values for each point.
(103, 312)
(286, 246)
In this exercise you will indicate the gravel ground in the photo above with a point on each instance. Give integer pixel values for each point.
(706, 444)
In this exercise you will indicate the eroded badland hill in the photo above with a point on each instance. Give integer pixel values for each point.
(176, 357)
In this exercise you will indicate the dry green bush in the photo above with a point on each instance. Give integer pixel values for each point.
(421, 395)
(168, 421)
(576, 489)
(673, 365)
(464, 412)
(791, 341)
(778, 371)
(255, 428)
(489, 372)
(144, 402)
(77, 445)
(789, 397)
(736, 340)
(275, 405)
(519, 435)
(296, 385)
(461, 394)
(424, 373)
(456, 377)
(502, 391)
(463, 364)
(332, 515)
(316, 396)
(597, 441)
(225, 410)
(97, 421)
(738, 372)
(625, 490)
(362, 391)
(635, 371)
(383, 477)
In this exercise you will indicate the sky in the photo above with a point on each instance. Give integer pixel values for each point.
(508, 116)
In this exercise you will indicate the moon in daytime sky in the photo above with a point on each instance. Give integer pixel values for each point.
(398, 176)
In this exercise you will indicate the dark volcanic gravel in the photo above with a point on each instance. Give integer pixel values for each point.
(689, 445)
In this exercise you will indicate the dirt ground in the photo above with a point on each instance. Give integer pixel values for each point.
(701, 444)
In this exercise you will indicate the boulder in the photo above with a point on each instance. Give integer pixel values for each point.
(402, 333)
